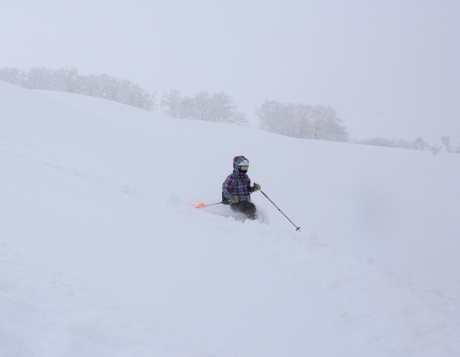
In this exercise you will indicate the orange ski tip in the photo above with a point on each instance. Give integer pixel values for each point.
(197, 205)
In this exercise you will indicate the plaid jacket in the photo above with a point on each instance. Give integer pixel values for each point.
(237, 184)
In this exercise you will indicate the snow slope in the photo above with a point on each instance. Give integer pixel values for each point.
(102, 254)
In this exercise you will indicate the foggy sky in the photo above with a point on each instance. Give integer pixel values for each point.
(390, 68)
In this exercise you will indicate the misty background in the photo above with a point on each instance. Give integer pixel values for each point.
(388, 68)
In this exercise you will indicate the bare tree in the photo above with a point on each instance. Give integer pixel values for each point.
(305, 126)
(446, 141)
(13, 75)
(301, 121)
(272, 116)
(326, 124)
(420, 144)
(436, 149)
(202, 106)
(217, 107)
(170, 105)
(69, 78)
(286, 119)
(42, 78)
(186, 108)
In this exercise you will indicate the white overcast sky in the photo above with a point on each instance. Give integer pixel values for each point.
(390, 68)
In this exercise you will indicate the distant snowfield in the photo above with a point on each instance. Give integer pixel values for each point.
(101, 254)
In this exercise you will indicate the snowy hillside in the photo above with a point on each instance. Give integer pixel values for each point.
(102, 255)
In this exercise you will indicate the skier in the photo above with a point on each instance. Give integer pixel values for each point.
(236, 189)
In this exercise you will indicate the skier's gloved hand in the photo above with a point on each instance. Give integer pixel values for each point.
(256, 187)
(234, 199)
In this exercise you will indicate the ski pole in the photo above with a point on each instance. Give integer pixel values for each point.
(201, 205)
(297, 228)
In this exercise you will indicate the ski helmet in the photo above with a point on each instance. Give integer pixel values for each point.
(241, 164)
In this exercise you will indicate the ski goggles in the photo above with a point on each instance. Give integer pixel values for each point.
(243, 168)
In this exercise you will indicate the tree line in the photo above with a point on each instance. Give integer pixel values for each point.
(202, 106)
(300, 120)
(321, 123)
(417, 144)
(69, 80)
